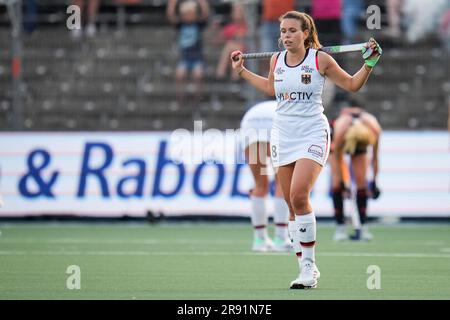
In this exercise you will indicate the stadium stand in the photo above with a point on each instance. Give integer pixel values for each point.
(123, 78)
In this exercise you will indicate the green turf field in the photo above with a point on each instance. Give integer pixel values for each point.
(214, 261)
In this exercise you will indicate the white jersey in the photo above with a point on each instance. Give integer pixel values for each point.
(298, 89)
(257, 123)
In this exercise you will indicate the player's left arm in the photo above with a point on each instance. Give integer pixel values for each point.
(375, 160)
(331, 69)
(374, 190)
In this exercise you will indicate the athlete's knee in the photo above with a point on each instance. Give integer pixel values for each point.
(299, 201)
(261, 188)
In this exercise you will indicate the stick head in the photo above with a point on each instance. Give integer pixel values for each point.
(366, 52)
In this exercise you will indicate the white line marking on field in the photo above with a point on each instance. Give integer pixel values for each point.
(213, 253)
(421, 243)
(119, 241)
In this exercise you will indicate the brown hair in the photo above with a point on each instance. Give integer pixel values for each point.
(306, 23)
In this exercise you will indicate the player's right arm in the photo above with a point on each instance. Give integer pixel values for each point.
(375, 160)
(340, 128)
(263, 84)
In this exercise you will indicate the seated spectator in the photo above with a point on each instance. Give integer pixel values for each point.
(233, 36)
(30, 16)
(92, 10)
(190, 18)
(393, 10)
(444, 27)
(269, 31)
(327, 17)
(422, 18)
(272, 10)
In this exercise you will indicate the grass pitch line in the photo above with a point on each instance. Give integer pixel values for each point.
(118, 241)
(211, 253)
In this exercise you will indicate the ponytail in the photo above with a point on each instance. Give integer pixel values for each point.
(313, 37)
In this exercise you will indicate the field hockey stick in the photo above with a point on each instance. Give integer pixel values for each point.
(329, 50)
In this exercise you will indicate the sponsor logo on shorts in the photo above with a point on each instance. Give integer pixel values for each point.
(316, 150)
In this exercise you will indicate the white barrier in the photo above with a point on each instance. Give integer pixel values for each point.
(115, 174)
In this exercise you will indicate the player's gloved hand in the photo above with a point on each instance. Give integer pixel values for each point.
(237, 62)
(372, 53)
(374, 190)
(346, 192)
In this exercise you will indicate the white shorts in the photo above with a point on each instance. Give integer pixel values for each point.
(294, 138)
(256, 124)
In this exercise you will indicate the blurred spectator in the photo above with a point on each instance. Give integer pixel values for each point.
(272, 10)
(30, 16)
(444, 27)
(92, 10)
(422, 17)
(190, 18)
(233, 37)
(393, 10)
(327, 16)
(448, 120)
(351, 13)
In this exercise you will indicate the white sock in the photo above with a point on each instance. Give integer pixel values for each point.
(259, 217)
(306, 232)
(295, 241)
(281, 218)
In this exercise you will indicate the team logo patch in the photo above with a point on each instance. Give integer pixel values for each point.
(316, 150)
(306, 78)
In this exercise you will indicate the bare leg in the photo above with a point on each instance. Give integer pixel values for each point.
(79, 3)
(180, 77)
(393, 14)
(197, 74)
(93, 10)
(304, 176)
(359, 164)
(258, 195)
(285, 176)
(258, 151)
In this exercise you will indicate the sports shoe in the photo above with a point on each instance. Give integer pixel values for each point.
(262, 245)
(356, 235)
(341, 233)
(282, 245)
(365, 234)
(362, 234)
(76, 34)
(91, 30)
(307, 278)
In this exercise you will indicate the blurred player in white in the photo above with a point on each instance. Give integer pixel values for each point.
(354, 130)
(255, 129)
